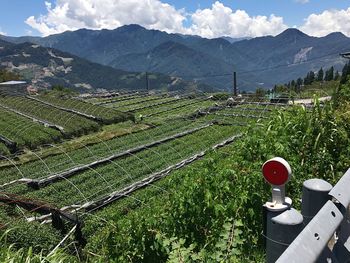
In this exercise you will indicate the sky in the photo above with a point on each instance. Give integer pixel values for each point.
(210, 19)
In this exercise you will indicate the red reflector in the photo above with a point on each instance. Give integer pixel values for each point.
(275, 172)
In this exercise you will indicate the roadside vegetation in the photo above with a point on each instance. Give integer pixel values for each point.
(215, 212)
(209, 211)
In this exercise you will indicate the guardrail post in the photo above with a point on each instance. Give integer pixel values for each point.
(311, 244)
(340, 192)
(282, 224)
(281, 230)
(315, 195)
(341, 249)
(316, 242)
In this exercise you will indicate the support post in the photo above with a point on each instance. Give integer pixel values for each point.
(315, 196)
(235, 84)
(341, 249)
(341, 193)
(147, 82)
(57, 221)
(282, 224)
(282, 227)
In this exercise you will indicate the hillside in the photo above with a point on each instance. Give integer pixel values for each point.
(133, 191)
(292, 53)
(44, 67)
(176, 59)
(259, 61)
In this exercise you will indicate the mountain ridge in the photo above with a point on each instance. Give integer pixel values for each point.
(261, 54)
(43, 67)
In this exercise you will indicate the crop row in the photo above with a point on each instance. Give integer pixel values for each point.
(244, 112)
(180, 109)
(113, 94)
(125, 99)
(3, 150)
(93, 98)
(234, 120)
(98, 182)
(72, 124)
(43, 167)
(24, 132)
(100, 113)
(147, 104)
(134, 101)
(235, 115)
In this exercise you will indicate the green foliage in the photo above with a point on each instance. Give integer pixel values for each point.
(225, 250)
(336, 75)
(210, 211)
(10, 253)
(329, 74)
(35, 236)
(345, 73)
(61, 89)
(7, 75)
(259, 92)
(320, 75)
(74, 125)
(220, 96)
(3, 150)
(62, 98)
(224, 193)
(24, 132)
(310, 77)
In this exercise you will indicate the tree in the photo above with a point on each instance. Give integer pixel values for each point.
(8, 75)
(259, 92)
(310, 77)
(329, 74)
(288, 85)
(274, 89)
(336, 75)
(293, 83)
(320, 75)
(345, 73)
(299, 82)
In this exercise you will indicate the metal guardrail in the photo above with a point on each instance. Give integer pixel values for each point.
(325, 232)
(312, 244)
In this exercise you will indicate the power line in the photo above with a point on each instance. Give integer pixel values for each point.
(258, 69)
(288, 65)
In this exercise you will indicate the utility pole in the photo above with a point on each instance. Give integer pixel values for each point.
(147, 82)
(235, 84)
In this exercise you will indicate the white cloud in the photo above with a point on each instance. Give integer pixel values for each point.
(2, 33)
(29, 32)
(109, 14)
(302, 1)
(216, 21)
(327, 22)
(221, 20)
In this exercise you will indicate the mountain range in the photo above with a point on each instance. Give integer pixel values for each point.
(44, 67)
(259, 62)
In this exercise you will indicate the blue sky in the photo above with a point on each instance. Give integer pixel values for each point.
(210, 23)
(293, 11)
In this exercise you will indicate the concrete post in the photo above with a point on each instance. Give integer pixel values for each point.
(282, 223)
(281, 230)
(315, 195)
(235, 84)
(341, 249)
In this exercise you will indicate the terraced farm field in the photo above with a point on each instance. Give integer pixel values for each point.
(77, 177)
(28, 122)
(68, 123)
(24, 132)
(82, 108)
